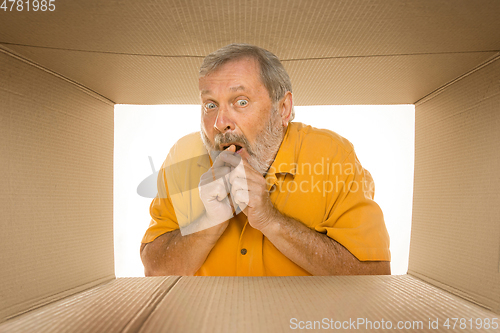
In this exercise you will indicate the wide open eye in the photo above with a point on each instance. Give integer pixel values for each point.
(210, 106)
(242, 102)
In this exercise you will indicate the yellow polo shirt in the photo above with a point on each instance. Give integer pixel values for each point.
(316, 179)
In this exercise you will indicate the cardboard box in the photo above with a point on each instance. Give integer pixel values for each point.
(62, 71)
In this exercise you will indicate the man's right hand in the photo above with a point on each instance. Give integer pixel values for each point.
(175, 254)
(214, 189)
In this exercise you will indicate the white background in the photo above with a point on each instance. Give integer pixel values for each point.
(383, 137)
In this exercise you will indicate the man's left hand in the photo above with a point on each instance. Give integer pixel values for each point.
(249, 192)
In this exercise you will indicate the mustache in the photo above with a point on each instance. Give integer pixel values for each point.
(227, 138)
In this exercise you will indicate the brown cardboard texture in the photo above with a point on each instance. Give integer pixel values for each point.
(336, 52)
(62, 71)
(57, 163)
(455, 232)
(252, 304)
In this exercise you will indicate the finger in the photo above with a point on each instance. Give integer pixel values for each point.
(239, 193)
(239, 184)
(236, 174)
(229, 157)
(245, 170)
(241, 198)
(220, 161)
(213, 191)
(219, 192)
(247, 175)
(253, 188)
(219, 172)
(238, 171)
(214, 174)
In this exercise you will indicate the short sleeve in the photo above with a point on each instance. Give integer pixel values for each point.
(163, 218)
(354, 219)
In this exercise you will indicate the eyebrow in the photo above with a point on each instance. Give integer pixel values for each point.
(235, 88)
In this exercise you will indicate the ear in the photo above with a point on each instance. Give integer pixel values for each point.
(285, 108)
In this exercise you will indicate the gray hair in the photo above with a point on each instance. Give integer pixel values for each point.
(272, 73)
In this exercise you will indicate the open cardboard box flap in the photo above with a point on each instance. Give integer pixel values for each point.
(61, 72)
(253, 304)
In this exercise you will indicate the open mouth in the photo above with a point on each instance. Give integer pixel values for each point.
(238, 147)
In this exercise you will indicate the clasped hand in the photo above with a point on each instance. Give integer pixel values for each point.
(231, 183)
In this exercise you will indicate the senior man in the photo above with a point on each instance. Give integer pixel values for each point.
(280, 198)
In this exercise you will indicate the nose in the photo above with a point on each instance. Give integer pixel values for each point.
(223, 122)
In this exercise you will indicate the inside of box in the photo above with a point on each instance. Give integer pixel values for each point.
(58, 90)
(258, 304)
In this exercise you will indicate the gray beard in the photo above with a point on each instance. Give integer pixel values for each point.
(262, 153)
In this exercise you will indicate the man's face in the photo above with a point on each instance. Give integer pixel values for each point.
(237, 109)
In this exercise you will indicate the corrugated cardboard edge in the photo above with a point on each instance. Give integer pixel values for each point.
(492, 304)
(88, 91)
(44, 297)
(33, 304)
(140, 318)
(267, 304)
(445, 86)
(477, 299)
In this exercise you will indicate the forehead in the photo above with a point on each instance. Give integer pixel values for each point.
(239, 74)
